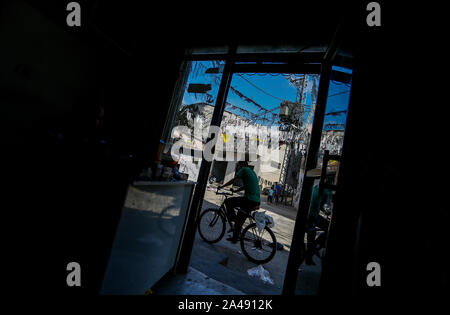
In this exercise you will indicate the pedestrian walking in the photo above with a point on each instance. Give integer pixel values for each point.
(270, 197)
(277, 192)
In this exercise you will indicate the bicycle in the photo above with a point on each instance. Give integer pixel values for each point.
(257, 248)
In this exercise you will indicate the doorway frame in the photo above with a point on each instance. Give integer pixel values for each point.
(304, 63)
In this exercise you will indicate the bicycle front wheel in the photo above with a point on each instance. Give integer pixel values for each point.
(258, 246)
(211, 225)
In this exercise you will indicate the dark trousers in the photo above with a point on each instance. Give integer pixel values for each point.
(311, 232)
(246, 206)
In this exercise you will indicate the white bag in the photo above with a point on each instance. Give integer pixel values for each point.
(262, 219)
(261, 273)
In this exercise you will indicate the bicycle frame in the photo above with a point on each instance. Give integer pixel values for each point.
(251, 237)
(223, 210)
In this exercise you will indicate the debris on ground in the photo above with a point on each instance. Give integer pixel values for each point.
(261, 273)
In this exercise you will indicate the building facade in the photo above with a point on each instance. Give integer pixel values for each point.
(233, 145)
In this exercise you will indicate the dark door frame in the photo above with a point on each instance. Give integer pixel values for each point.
(297, 253)
(305, 63)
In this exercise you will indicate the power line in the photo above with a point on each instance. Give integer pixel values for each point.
(247, 99)
(339, 93)
(247, 112)
(261, 108)
(260, 88)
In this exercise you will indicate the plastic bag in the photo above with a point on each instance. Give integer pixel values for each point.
(270, 222)
(261, 273)
(262, 219)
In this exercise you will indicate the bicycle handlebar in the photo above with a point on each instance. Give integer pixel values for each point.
(223, 193)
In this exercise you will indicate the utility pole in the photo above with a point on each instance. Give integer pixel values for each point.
(292, 125)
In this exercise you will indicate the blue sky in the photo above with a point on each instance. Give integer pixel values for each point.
(276, 85)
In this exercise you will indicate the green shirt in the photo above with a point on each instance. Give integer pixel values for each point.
(251, 185)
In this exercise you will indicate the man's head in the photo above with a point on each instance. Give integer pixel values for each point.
(242, 164)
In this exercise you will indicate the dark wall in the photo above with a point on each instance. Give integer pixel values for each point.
(82, 113)
(389, 150)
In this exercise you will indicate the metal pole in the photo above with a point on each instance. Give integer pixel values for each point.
(199, 193)
(296, 254)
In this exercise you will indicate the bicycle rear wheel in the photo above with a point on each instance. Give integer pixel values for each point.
(258, 246)
(211, 225)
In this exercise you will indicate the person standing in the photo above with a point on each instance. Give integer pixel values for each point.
(270, 197)
(277, 192)
(313, 220)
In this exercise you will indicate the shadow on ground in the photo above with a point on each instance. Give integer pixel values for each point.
(225, 263)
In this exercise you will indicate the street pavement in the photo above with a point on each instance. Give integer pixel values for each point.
(224, 261)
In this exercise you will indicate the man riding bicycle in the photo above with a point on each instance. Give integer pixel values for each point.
(249, 202)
